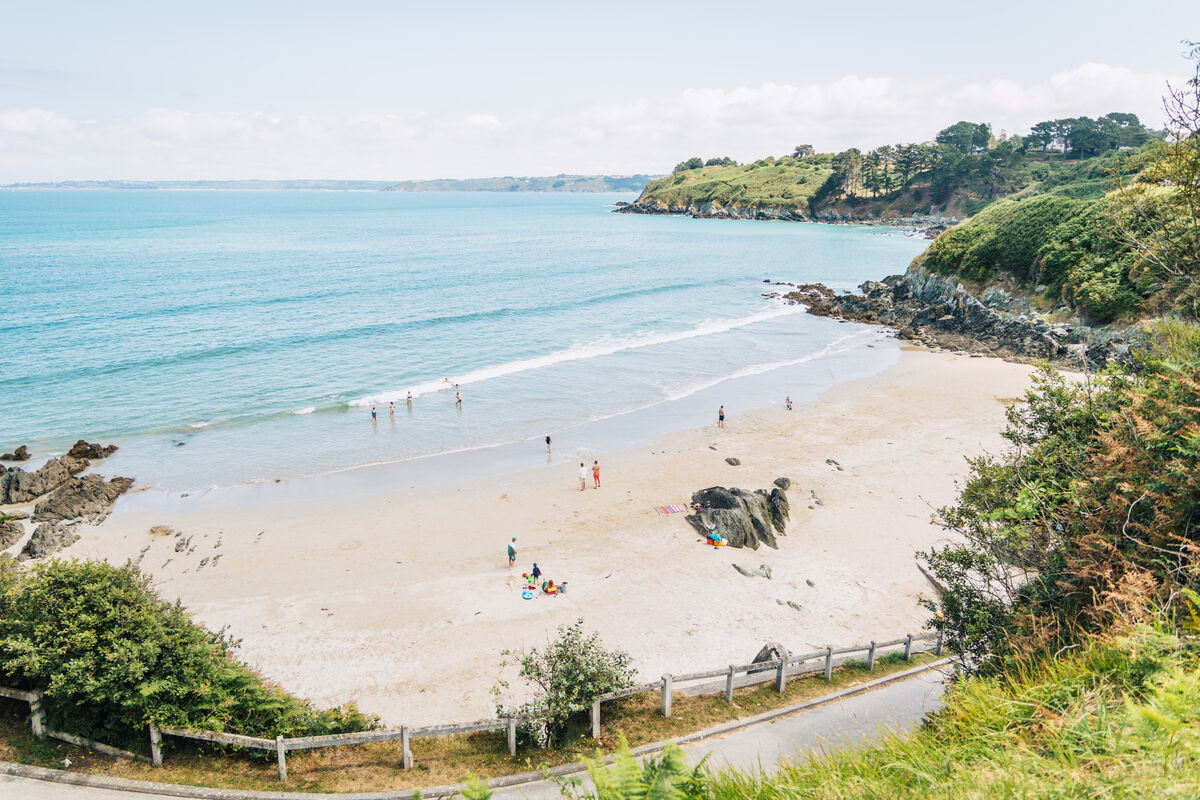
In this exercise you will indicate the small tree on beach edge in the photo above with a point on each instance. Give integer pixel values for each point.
(566, 677)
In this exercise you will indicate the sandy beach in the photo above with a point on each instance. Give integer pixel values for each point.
(401, 599)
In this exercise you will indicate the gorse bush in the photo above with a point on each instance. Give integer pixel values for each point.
(567, 676)
(111, 656)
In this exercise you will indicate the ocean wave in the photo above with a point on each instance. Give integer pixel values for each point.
(577, 353)
(304, 411)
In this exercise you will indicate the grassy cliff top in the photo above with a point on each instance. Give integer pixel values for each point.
(785, 183)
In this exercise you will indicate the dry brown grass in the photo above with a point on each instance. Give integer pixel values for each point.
(438, 761)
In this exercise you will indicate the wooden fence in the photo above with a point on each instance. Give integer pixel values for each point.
(781, 669)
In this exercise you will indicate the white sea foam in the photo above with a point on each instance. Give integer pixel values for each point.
(304, 411)
(202, 424)
(576, 353)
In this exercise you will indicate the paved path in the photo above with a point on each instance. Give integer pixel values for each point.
(850, 722)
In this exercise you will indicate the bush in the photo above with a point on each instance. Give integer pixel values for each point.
(566, 677)
(111, 656)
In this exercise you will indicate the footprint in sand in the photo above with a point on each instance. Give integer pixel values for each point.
(350, 544)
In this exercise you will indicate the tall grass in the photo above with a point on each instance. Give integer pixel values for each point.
(1119, 718)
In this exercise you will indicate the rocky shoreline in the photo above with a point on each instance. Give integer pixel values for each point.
(930, 226)
(62, 498)
(939, 312)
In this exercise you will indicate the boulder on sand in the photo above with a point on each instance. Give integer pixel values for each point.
(20, 454)
(19, 486)
(771, 651)
(88, 497)
(92, 451)
(47, 539)
(741, 518)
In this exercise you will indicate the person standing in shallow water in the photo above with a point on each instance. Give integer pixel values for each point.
(458, 399)
(721, 417)
(596, 473)
(392, 409)
(547, 444)
(374, 416)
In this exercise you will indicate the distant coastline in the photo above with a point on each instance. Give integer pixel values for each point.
(507, 183)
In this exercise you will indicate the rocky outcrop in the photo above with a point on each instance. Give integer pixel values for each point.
(739, 517)
(763, 571)
(20, 454)
(91, 451)
(937, 310)
(713, 209)
(90, 498)
(11, 532)
(19, 486)
(47, 539)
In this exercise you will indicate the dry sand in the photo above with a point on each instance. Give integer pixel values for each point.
(402, 600)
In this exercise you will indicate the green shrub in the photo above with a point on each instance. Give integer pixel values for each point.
(111, 656)
(566, 678)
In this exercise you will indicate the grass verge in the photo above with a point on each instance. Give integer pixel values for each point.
(437, 761)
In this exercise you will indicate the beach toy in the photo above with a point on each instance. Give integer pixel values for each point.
(528, 595)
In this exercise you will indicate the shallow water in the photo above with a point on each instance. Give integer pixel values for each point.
(230, 337)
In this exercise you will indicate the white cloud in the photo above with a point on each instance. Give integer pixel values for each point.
(634, 135)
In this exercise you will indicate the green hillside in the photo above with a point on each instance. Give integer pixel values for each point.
(962, 170)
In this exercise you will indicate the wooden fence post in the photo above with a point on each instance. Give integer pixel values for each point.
(666, 694)
(281, 756)
(829, 664)
(729, 685)
(781, 676)
(512, 736)
(908, 648)
(871, 656)
(155, 745)
(938, 651)
(596, 719)
(37, 717)
(406, 758)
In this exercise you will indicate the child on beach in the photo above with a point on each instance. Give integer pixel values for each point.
(582, 477)
(536, 573)
(596, 473)
(512, 552)
(374, 416)
(789, 402)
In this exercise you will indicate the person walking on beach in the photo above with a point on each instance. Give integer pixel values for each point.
(721, 417)
(789, 402)
(582, 477)
(512, 552)
(547, 444)
(596, 473)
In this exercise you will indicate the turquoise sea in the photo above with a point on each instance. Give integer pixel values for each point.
(226, 337)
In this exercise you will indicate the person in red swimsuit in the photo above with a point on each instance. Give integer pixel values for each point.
(596, 473)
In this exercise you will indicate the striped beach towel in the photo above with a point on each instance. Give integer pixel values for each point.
(675, 509)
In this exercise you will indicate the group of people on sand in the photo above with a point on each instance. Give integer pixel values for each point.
(532, 577)
(583, 473)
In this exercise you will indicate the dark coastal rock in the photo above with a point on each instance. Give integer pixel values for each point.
(783, 483)
(47, 539)
(733, 462)
(90, 497)
(936, 310)
(20, 454)
(763, 571)
(11, 531)
(19, 486)
(771, 651)
(712, 209)
(741, 518)
(92, 451)
(777, 502)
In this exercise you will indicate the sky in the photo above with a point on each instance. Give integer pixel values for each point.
(399, 90)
